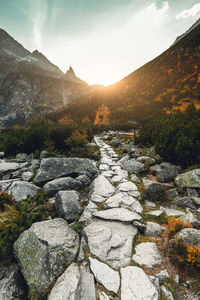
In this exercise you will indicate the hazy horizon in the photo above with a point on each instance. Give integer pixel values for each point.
(103, 41)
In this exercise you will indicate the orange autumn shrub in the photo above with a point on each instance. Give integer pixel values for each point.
(193, 255)
(175, 225)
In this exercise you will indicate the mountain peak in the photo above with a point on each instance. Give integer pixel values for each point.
(71, 76)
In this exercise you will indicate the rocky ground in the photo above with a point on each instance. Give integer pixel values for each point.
(108, 241)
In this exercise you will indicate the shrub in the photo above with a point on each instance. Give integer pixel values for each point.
(18, 217)
(185, 254)
(5, 199)
(175, 225)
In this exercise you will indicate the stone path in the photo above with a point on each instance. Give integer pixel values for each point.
(113, 217)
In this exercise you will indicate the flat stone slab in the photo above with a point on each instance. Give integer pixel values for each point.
(105, 275)
(127, 186)
(76, 283)
(111, 242)
(155, 213)
(124, 200)
(6, 167)
(102, 187)
(136, 285)
(118, 214)
(170, 212)
(147, 254)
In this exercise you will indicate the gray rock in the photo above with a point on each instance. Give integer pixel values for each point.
(11, 283)
(124, 159)
(115, 142)
(68, 205)
(62, 184)
(173, 193)
(136, 285)
(53, 168)
(118, 214)
(2, 154)
(44, 251)
(4, 184)
(156, 213)
(189, 235)
(153, 229)
(127, 186)
(133, 166)
(146, 159)
(192, 193)
(147, 254)
(189, 179)
(163, 275)
(171, 212)
(101, 187)
(187, 202)
(84, 180)
(21, 190)
(153, 190)
(167, 172)
(87, 285)
(22, 156)
(191, 218)
(27, 176)
(88, 212)
(111, 241)
(8, 167)
(125, 201)
(105, 275)
(135, 179)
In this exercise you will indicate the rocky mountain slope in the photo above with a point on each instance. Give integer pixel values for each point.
(31, 85)
(110, 243)
(169, 82)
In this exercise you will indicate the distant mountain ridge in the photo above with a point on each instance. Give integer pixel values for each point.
(169, 82)
(31, 85)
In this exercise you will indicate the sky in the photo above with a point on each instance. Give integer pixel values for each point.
(103, 40)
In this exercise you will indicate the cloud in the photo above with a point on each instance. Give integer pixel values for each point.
(187, 13)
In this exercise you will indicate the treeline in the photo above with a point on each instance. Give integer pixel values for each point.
(176, 136)
(63, 137)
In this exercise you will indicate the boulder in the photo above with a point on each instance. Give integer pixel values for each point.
(8, 167)
(192, 193)
(76, 283)
(133, 166)
(153, 229)
(62, 184)
(135, 179)
(189, 179)
(44, 251)
(111, 242)
(189, 235)
(153, 190)
(118, 214)
(167, 172)
(105, 275)
(193, 203)
(136, 285)
(146, 159)
(21, 190)
(11, 282)
(53, 168)
(88, 212)
(101, 187)
(4, 184)
(147, 255)
(27, 176)
(68, 205)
